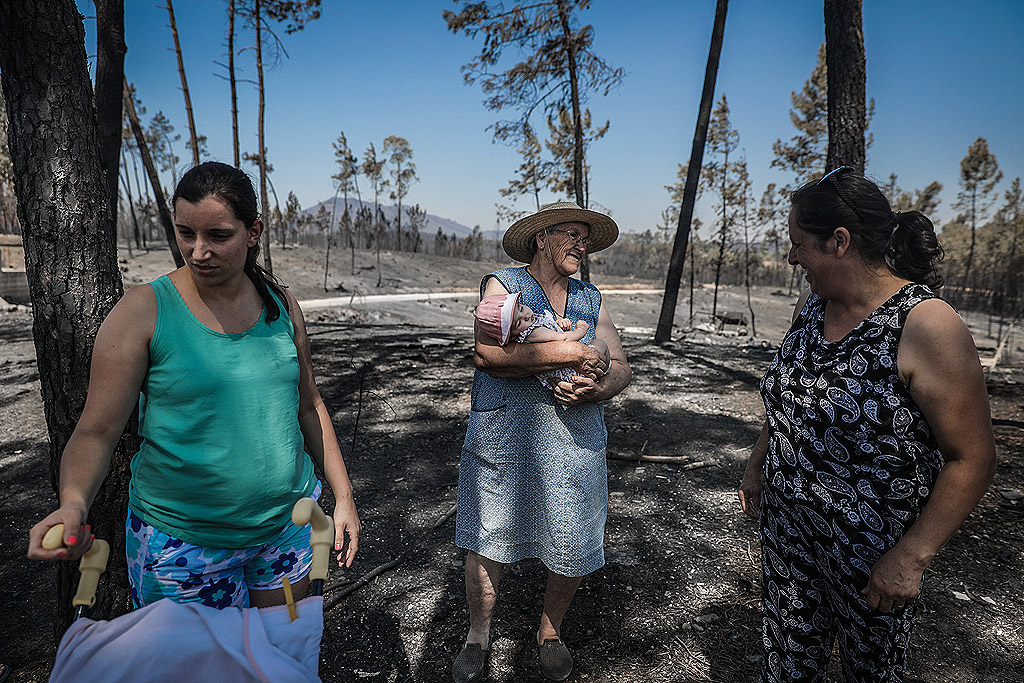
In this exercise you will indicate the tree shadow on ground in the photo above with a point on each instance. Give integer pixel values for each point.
(678, 597)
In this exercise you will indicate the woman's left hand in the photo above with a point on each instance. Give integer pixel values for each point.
(346, 521)
(895, 581)
(581, 390)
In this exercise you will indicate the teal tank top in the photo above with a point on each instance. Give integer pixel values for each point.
(222, 458)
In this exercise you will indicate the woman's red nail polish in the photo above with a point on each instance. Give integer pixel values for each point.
(63, 553)
(337, 546)
(72, 539)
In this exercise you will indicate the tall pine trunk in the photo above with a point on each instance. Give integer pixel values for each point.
(154, 179)
(234, 84)
(663, 333)
(577, 126)
(110, 50)
(746, 266)
(264, 200)
(70, 244)
(131, 204)
(847, 76)
(194, 137)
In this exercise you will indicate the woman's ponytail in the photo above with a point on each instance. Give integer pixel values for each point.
(914, 250)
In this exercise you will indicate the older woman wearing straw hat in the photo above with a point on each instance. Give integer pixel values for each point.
(533, 481)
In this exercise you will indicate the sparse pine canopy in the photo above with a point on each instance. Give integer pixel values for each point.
(556, 69)
(561, 144)
(295, 14)
(925, 201)
(348, 165)
(403, 173)
(804, 154)
(531, 176)
(979, 173)
(541, 78)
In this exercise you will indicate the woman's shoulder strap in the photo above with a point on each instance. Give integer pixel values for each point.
(510, 278)
(909, 297)
(162, 286)
(587, 300)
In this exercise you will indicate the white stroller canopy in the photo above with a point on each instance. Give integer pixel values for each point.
(174, 642)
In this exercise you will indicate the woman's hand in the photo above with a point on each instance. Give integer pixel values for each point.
(750, 489)
(581, 390)
(346, 521)
(592, 363)
(895, 581)
(752, 485)
(76, 539)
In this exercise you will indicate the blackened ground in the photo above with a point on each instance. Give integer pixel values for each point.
(679, 597)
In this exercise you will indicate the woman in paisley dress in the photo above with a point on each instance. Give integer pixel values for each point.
(878, 439)
(533, 479)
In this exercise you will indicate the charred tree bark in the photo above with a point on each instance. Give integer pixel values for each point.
(234, 83)
(154, 178)
(663, 333)
(70, 250)
(131, 203)
(577, 124)
(110, 51)
(847, 77)
(184, 86)
(264, 200)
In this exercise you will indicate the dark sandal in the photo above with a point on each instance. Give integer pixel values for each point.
(555, 660)
(470, 664)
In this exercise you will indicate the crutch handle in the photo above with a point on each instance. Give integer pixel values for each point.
(54, 537)
(90, 566)
(306, 511)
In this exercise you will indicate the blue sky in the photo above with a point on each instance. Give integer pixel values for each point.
(941, 74)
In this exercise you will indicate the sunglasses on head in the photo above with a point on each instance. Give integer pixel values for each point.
(833, 175)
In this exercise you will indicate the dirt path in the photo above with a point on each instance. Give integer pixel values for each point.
(678, 598)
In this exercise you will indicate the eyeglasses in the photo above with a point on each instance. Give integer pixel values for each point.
(574, 236)
(833, 175)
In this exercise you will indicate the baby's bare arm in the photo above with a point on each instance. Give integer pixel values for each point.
(543, 334)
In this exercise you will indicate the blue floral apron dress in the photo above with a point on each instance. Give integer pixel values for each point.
(533, 480)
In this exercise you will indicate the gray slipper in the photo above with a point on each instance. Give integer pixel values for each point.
(471, 663)
(555, 660)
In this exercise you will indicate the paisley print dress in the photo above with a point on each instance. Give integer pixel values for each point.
(850, 465)
(533, 480)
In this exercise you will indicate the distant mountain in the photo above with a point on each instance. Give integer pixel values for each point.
(447, 225)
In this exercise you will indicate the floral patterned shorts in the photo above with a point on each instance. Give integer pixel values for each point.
(161, 566)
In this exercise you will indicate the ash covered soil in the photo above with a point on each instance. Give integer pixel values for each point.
(678, 599)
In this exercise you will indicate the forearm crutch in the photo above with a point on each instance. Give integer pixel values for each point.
(92, 564)
(307, 511)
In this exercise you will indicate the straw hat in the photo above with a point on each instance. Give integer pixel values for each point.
(603, 230)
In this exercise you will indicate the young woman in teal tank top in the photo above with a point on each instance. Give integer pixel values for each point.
(230, 415)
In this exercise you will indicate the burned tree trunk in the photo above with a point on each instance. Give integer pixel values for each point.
(264, 200)
(110, 50)
(847, 76)
(69, 235)
(154, 178)
(663, 333)
(193, 135)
